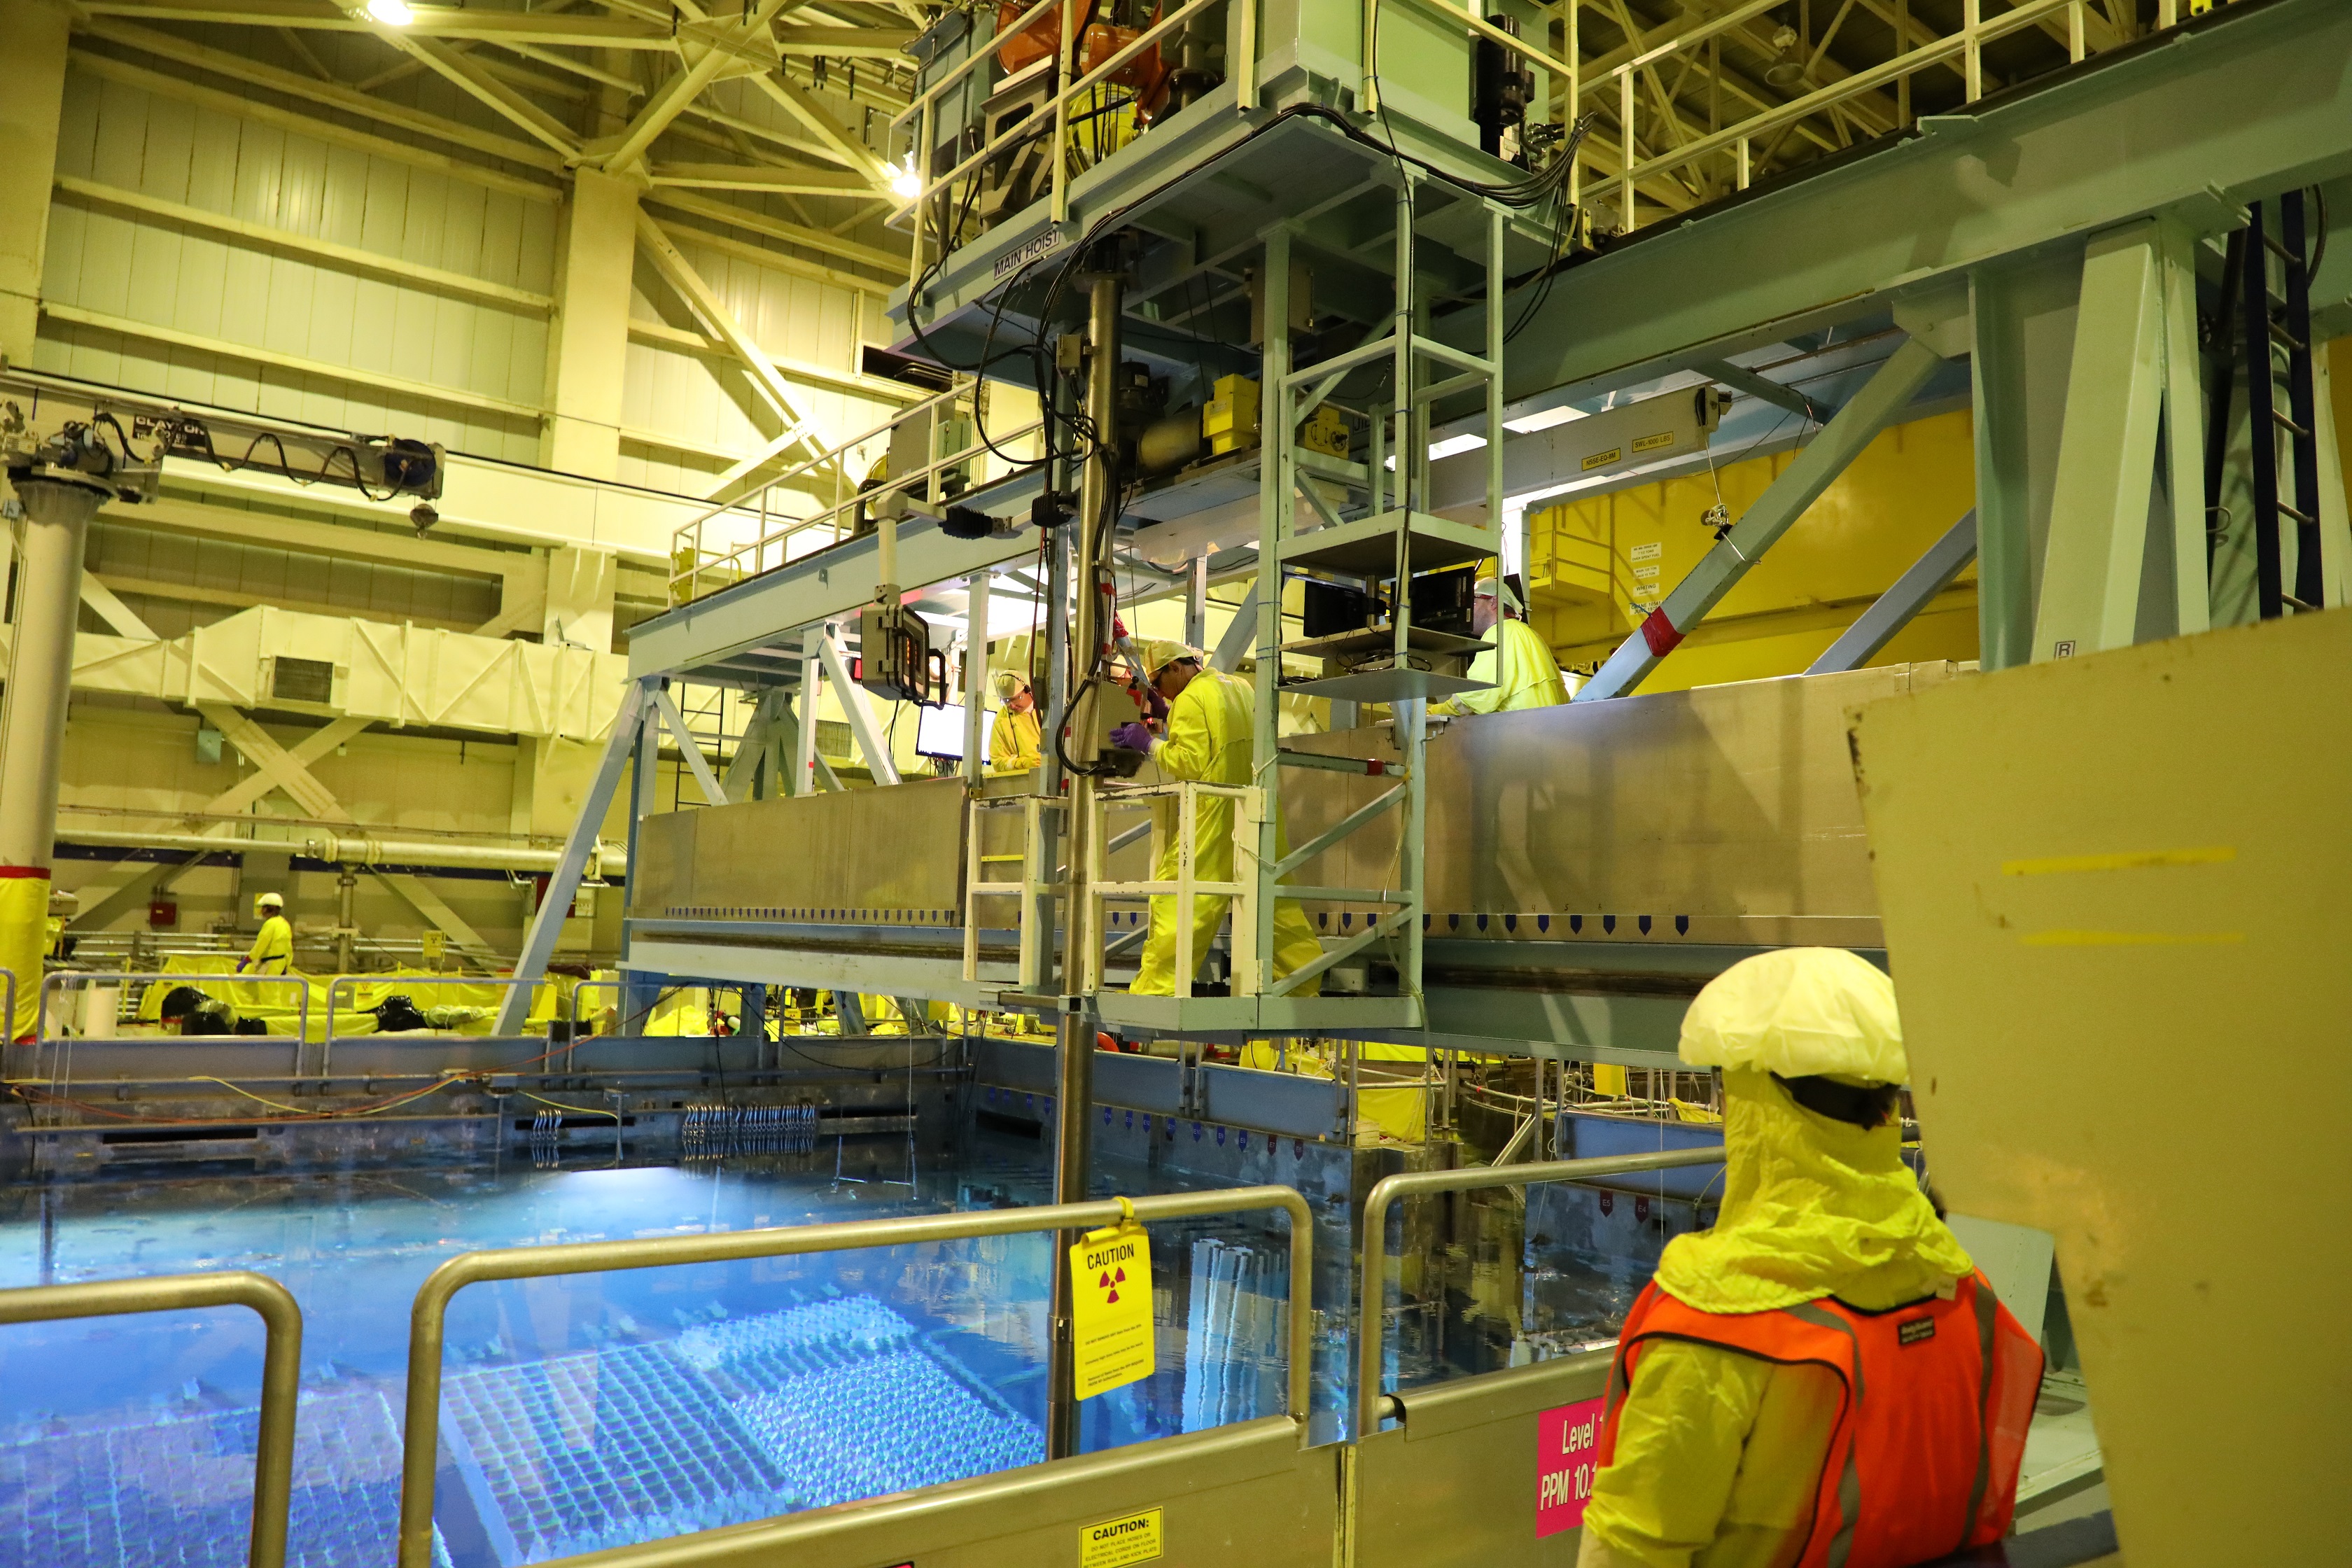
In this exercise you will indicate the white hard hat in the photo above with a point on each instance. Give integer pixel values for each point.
(1483, 588)
(272, 901)
(1009, 684)
(1800, 1012)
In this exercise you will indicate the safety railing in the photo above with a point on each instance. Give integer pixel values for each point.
(335, 989)
(1371, 1403)
(52, 1064)
(1241, 51)
(65, 979)
(1851, 101)
(693, 559)
(618, 986)
(281, 1366)
(420, 1440)
(1187, 886)
(1034, 885)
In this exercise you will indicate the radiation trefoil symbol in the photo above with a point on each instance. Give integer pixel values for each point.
(1110, 1286)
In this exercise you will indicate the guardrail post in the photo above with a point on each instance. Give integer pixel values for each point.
(281, 1366)
(1372, 1405)
(421, 1436)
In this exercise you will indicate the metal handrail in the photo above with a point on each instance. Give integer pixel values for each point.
(1243, 960)
(281, 1366)
(1372, 1405)
(122, 976)
(704, 560)
(420, 1440)
(1966, 43)
(1073, 89)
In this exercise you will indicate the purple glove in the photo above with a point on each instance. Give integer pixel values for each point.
(1157, 704)
(1135, 735)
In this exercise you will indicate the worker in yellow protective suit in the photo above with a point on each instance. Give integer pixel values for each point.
(1012, 740)
(1520, 669)
(273, 949)
(1716, 1449)
(1208, 739)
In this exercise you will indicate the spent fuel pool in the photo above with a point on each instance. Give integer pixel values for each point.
(579, 1412)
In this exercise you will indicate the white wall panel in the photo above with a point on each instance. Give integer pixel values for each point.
(151, 270)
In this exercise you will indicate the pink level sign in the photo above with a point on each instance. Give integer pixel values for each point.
(1568, 1441)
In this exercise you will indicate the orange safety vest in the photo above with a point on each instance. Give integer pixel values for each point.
(1937, 1395)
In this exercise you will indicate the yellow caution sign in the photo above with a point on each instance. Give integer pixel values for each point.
(1115, 1543)
(1110, 1317)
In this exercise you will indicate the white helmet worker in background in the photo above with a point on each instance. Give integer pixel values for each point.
(273, 950)
(1824, 1377)
(1521, 671)
(1208, 739)
(1013, 741)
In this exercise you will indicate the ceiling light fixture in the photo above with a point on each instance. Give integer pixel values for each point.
(906, 183)
(391, 13)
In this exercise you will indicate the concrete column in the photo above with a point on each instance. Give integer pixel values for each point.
(589, 347)
(33, 713)
(33, 65)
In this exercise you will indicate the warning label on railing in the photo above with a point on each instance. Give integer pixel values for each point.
(1110, 1319)
(1116, 1542)
(1567, 1444)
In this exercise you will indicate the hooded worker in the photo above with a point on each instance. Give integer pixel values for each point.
(1013, 740)
(1209, 720)
(1520, 669)
(273, 948)
(1824, 1377)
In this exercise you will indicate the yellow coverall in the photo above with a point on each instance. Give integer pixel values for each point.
(1013, 742)
(1718, 1453)
(1208, 740)
(273, 949)
(1524, 673)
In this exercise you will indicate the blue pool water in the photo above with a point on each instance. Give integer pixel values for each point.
(582, 1412)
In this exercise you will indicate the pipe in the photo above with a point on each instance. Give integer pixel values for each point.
(360, 851)
(1080, 954)
(58, 510)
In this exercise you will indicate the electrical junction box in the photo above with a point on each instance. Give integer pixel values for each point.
(1326, 432)
(1229, 419)
(895, 659)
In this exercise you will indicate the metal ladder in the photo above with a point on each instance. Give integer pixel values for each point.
(2270, 324)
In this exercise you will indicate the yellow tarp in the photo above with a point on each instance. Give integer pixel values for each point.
(277, 1000)
(23, 938)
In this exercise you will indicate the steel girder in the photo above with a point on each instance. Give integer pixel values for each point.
(2252, 100)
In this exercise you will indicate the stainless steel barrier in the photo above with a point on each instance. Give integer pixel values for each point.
(1370, 1402)
(1481, 1471)
(420, 1441)
(273, 1457)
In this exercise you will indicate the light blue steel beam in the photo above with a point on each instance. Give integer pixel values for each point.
(547, 921)
(1891, 611)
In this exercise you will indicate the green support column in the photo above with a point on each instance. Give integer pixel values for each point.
(2106, 451)
(2024, 324)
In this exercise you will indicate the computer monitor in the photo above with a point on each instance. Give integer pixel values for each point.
(939, 734)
